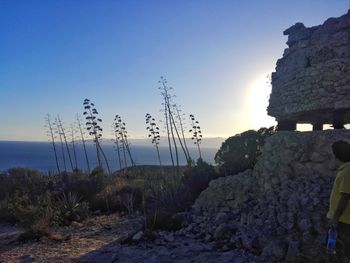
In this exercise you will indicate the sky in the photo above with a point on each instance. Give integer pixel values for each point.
(215, 54)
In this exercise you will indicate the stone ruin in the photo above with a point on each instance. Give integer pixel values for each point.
(312, 79)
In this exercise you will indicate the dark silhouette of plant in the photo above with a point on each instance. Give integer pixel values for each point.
(50, 134)
(95, 130)
(171, 124)
(164, 93)
(175, 123)
(180, 120)
(83, 141)
(240, 152)
(72, 207)
(58, 132)
(196, 134)
(73, 146)
(154, 135)
(62, 131)
(197, 178)
(120, 141)
(116, 141)
(122, 133)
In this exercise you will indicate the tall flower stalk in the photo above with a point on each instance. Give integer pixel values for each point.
(95, 130)
(154, 135)
(173, 132)
(122, 137)
(62, 131)
(51, 136)
(58, 131)
(182, 130)
(73, 146)
(82, 137)
(196, 134)
(116, 141)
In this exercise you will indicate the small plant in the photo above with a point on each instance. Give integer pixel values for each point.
(129, 196)
(71, 207)
(95, 130)
(196, 134)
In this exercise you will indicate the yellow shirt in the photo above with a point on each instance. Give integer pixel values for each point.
(341, 185)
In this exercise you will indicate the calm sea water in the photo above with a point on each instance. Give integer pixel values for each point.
(39, 155)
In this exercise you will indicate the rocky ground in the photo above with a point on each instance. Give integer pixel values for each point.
(111, 238)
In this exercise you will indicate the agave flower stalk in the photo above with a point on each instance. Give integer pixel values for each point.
(168, 120)
(95, 130)
(73, 146)
(63, 132)
(50, 133)
(58, 132)
(154, 134)
(120, 129)
(182, 129)
(117, 144)
(83, 141)
(196, 134)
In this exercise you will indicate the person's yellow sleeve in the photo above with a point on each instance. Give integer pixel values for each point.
(344, 186)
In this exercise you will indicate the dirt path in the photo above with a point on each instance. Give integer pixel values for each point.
(100, 239)
(69, 243)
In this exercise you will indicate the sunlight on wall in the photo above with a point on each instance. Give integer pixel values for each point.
(308, 127)
(256, 102)
(304, 127)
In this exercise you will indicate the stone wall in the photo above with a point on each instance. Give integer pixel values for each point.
(278, 209)
(312, 79)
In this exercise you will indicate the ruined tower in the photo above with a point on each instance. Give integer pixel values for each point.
(312, 79)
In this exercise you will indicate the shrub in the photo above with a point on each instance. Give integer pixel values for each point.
(197, 178)
(161, 207)
(239, 153)
(24, 180)
(167, 195)
(71, 207)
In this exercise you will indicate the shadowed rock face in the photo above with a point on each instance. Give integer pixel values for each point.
(312, 79)
(279, 208)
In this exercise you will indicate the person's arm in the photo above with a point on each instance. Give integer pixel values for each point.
(343, 202)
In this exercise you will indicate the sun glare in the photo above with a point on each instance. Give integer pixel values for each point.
(257, 99)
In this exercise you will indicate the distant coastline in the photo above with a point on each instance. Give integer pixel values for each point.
(39, 155)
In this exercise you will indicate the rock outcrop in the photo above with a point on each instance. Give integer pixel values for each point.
(278, 210)
(312, 79)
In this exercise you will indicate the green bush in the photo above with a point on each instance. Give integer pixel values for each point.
(239, 153)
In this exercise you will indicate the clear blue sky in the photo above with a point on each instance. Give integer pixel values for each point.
(216, 54)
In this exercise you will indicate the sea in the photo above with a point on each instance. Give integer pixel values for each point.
(40, 155)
